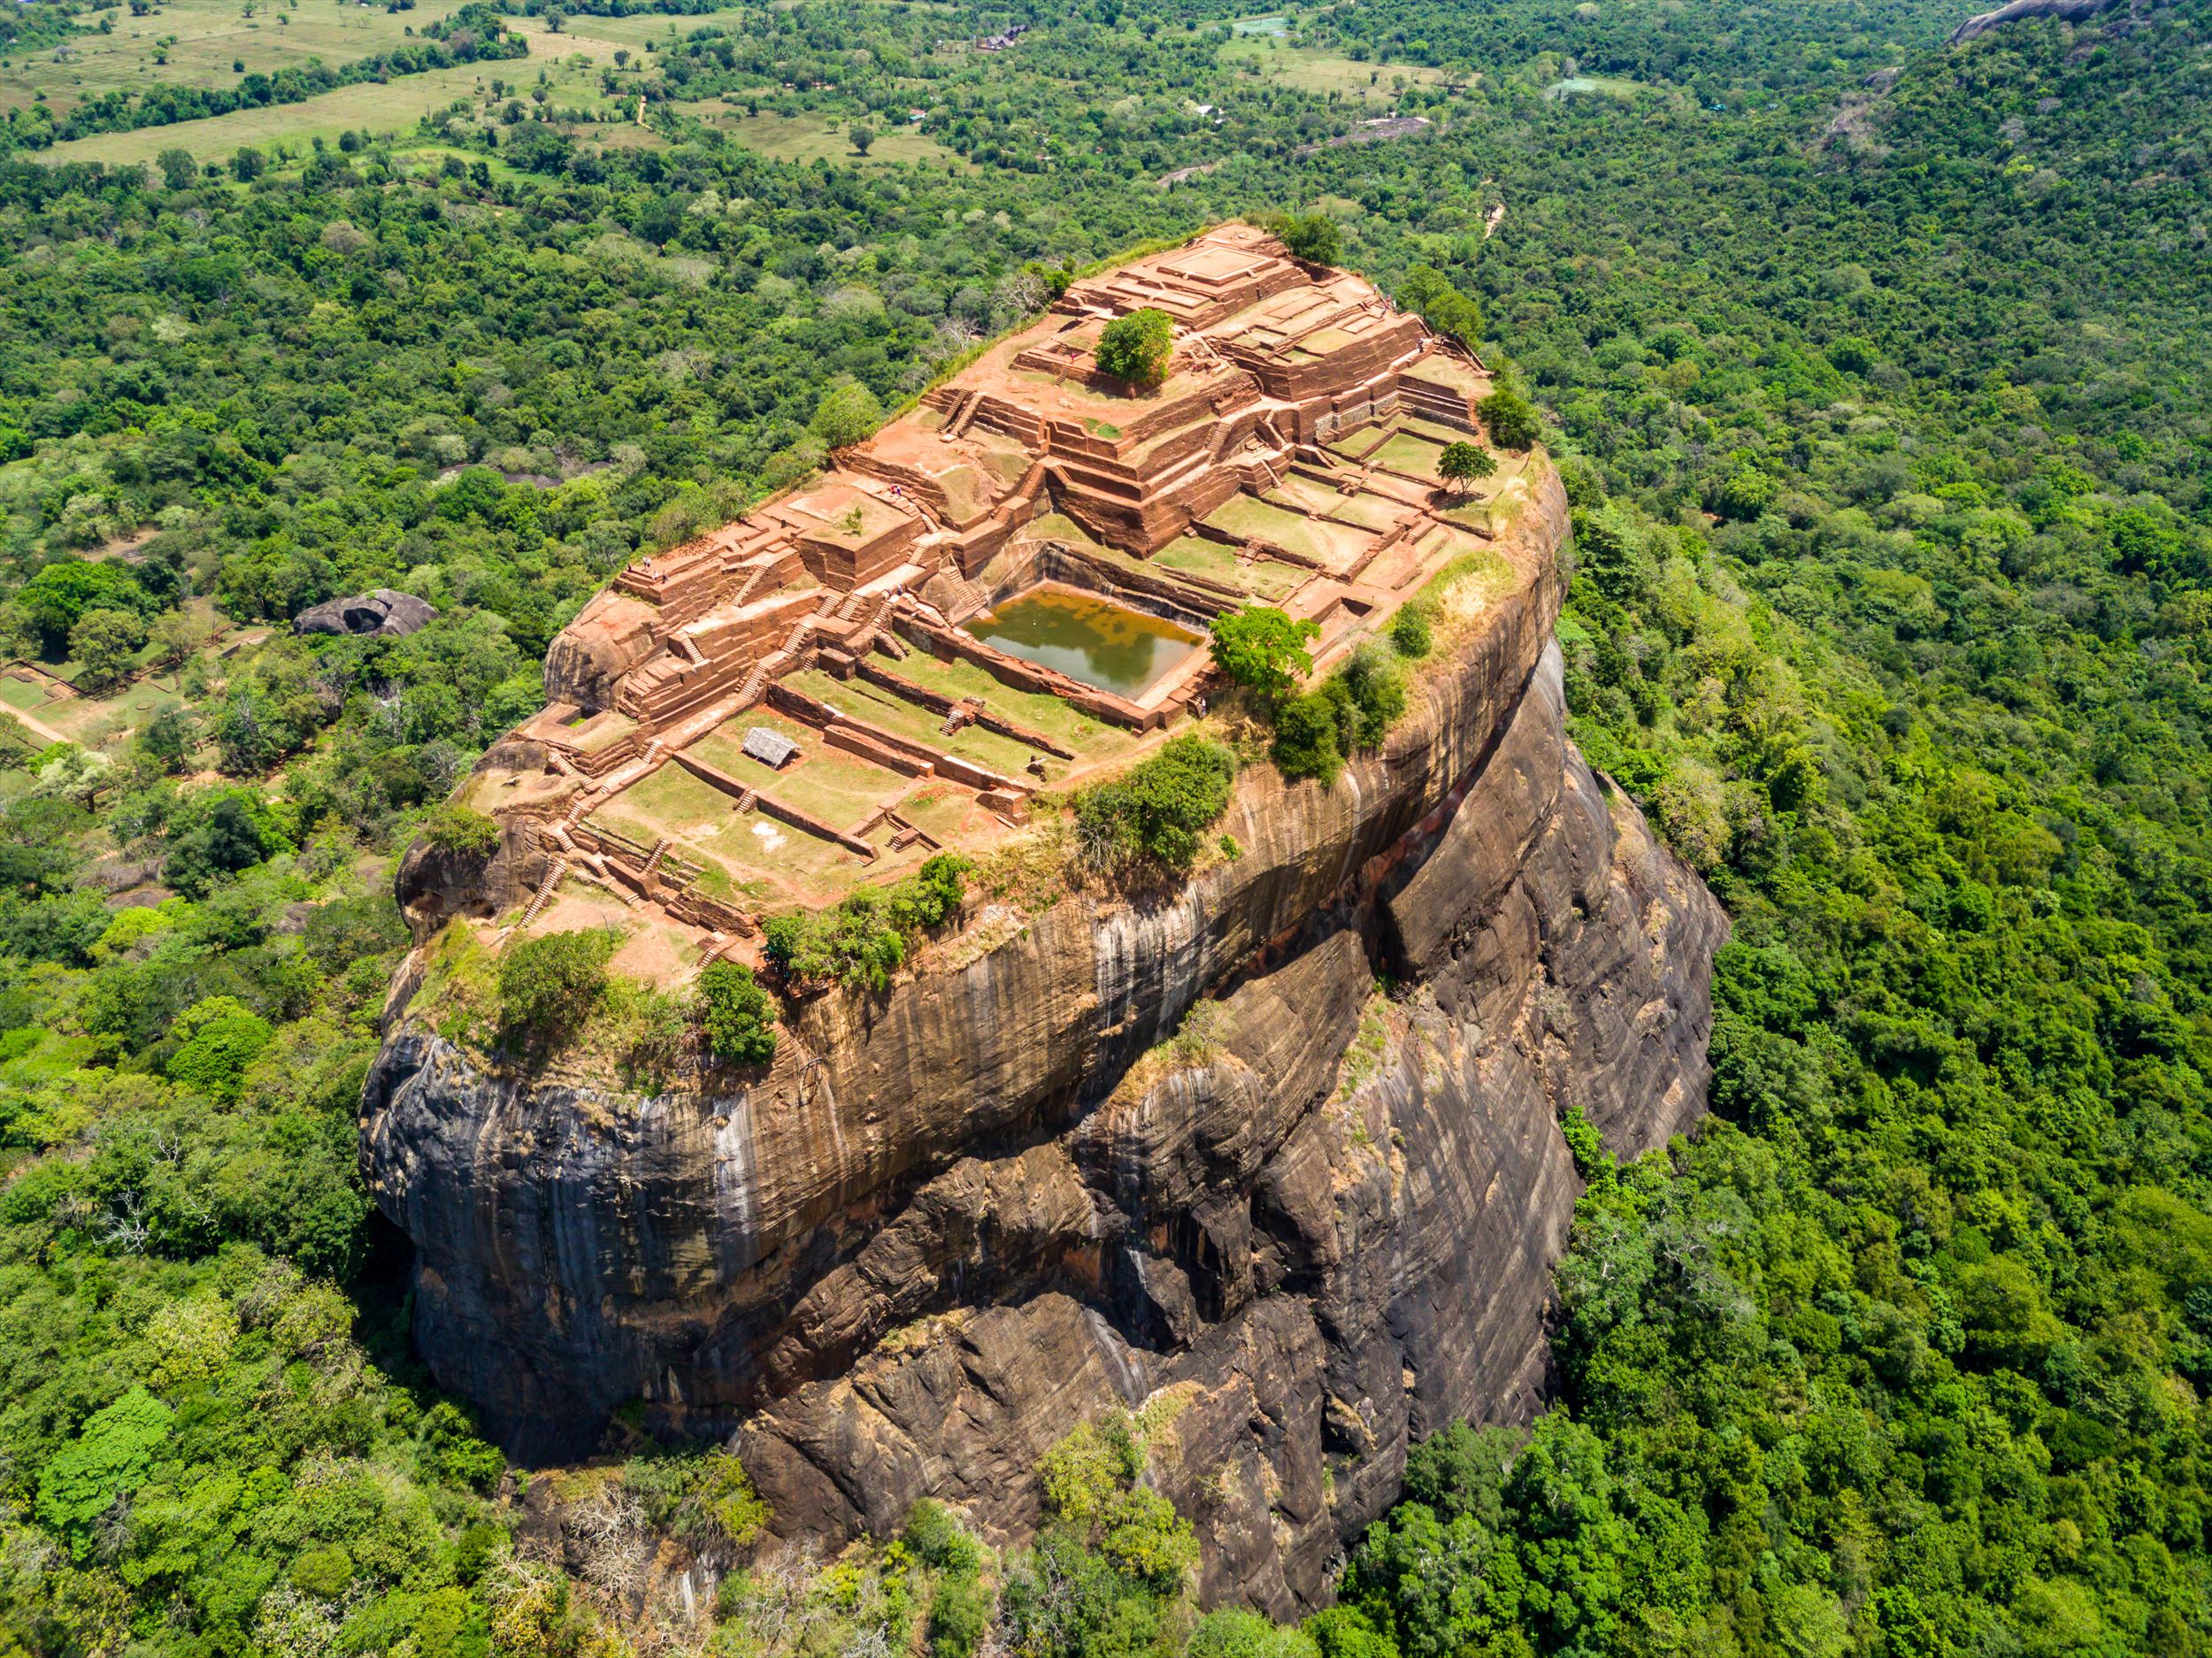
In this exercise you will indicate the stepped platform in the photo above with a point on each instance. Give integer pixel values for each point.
(904, 617)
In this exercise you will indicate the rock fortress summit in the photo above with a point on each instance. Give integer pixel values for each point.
(1289, 456)
(955, 1215)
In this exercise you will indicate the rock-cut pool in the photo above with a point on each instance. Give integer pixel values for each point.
(1086, 637)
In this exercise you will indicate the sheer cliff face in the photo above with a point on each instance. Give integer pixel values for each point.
(959, 1219)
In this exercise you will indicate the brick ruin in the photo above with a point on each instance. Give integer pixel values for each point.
(1289, 457)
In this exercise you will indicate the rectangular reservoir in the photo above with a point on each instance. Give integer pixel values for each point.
(1087, 637)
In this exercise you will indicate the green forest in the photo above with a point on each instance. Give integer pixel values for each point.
(1878, 369)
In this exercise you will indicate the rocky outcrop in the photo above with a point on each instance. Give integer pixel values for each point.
(380, 614)
(956, 1218)
(2070, 11)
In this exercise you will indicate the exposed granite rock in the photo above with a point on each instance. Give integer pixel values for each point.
(2071, 11)
(381, 613)
(954, 1219)
(1332, 1234)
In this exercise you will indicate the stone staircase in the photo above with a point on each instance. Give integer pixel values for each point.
(1201, 351)
(745, 589)
(874, 624)
(757, 681)
(615, 782)
(968, 598)
(544, 894)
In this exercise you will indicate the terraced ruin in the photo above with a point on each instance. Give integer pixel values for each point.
(833, 687)
(1005, 1187)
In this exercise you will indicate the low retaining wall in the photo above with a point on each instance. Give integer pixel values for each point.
(717, 777)
(899, 685)
(950, 644)
(887, 748)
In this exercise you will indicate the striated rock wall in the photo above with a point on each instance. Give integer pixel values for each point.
(957, 1218)
(1332, 1234)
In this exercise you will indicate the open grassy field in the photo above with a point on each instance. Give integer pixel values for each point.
(811, 137)
(55, 712)
(570, 65)
(1595, 86)
(600, 36)
(98, 722)
(1314, 71)
(201, 40)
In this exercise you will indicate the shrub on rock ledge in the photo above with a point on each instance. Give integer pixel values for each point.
(735, 1015)
(554, 981)
(461, 830)
(1352, 710)
(1158, 811)
(1411, 632)
(863, 939)
(1306, 740)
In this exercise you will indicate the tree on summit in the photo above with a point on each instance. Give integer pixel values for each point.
(1262, 650)
(848, 413)
(1443, 306)
(1461, 464)
(1313, 237)
(1137, 349)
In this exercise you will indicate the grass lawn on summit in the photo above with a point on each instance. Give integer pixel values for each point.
(858, 699)
(1263, 578)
